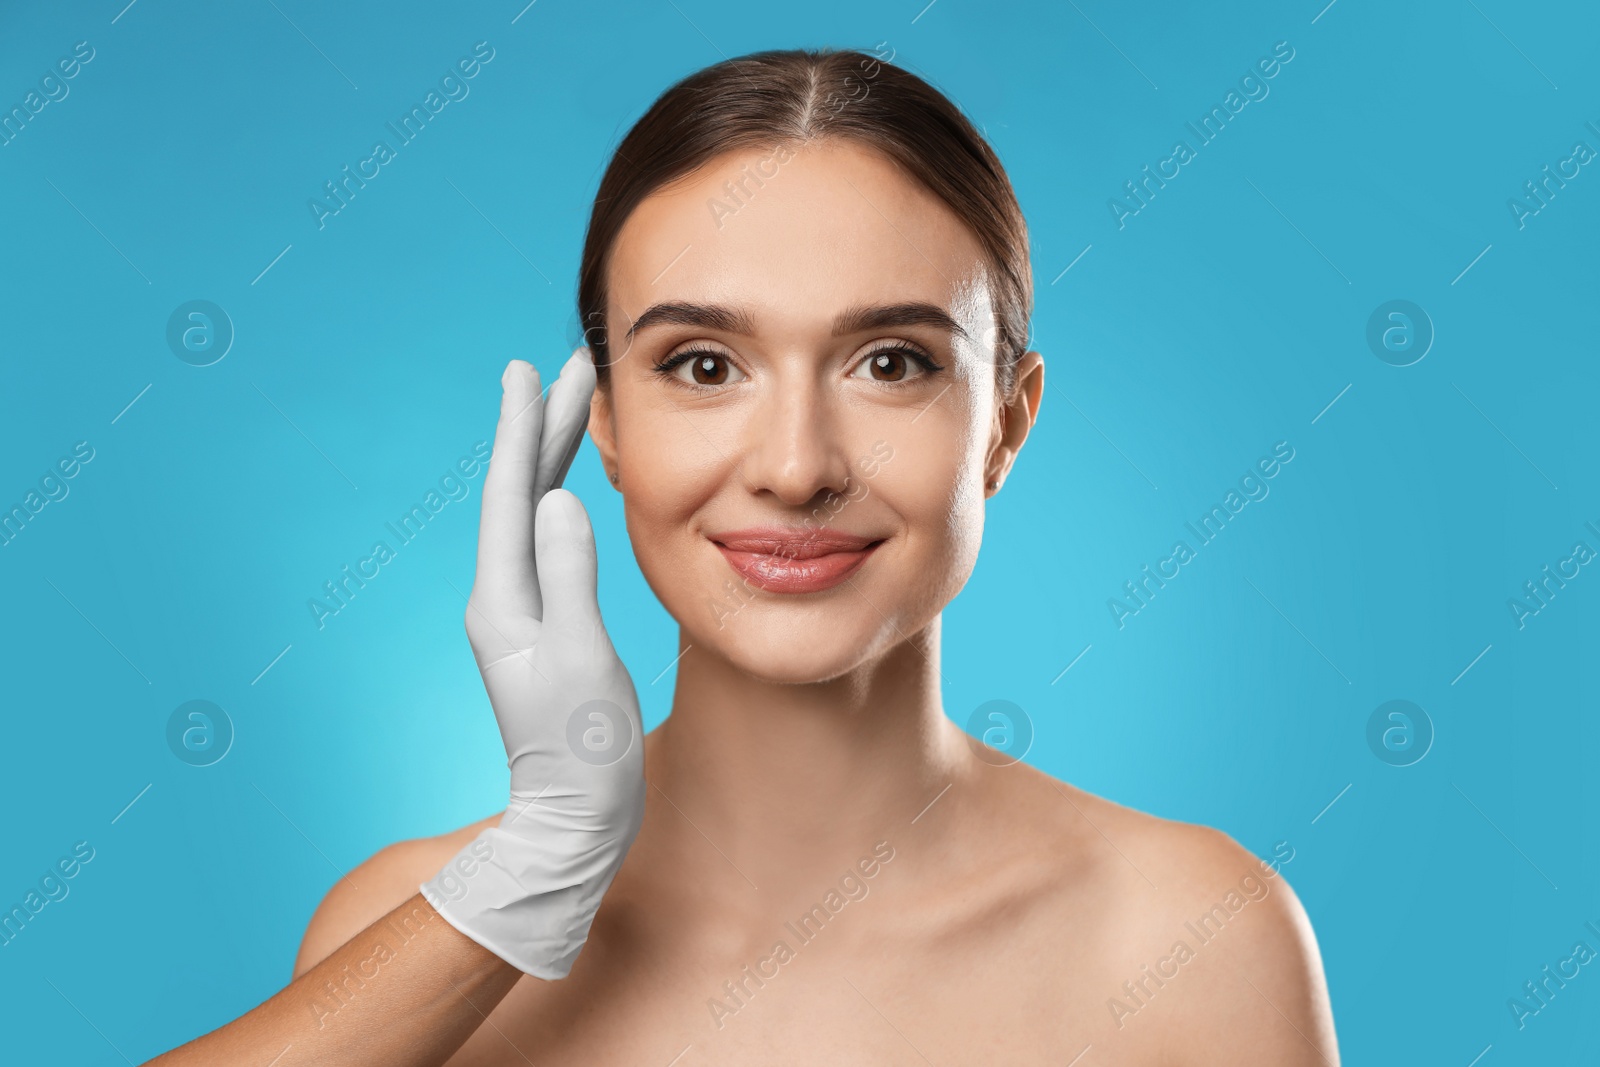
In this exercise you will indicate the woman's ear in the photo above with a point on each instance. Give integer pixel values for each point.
(603, 428)
(1014, 417)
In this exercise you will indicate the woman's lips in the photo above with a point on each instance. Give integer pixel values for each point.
(785, 561)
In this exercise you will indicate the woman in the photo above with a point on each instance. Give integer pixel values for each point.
(806, 286)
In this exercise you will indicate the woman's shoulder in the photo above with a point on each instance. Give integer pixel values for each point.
(1102, 838)
(1161, 851)
(376, 887)
(1151, 867)
(1163, 897)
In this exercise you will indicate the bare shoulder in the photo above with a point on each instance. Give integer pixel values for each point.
(1197, 929)
(379, 885)
(1172, 859)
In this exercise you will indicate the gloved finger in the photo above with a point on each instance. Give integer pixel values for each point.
(507, 583)
(564, 544)
(566, 416)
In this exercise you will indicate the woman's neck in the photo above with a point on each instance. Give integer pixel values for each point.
(782, 777)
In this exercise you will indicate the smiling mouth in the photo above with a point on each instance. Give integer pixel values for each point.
(781, 561)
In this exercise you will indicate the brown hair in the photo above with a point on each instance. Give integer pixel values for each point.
(773, 98)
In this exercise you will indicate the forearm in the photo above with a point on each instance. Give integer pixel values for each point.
(406, 992)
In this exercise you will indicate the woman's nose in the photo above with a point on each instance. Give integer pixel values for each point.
(794, 447)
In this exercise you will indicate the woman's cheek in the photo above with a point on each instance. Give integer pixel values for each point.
(670, 453)
(961, 505)
(930, 491)
(664, 481)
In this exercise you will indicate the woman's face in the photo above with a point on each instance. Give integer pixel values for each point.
(802, 408)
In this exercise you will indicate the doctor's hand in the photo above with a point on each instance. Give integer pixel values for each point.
(528, 889)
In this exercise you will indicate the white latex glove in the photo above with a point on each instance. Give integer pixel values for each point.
(528, 889)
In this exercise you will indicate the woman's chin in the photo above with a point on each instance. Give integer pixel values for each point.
(792, 652)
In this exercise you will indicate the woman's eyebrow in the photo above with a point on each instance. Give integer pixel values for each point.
(851, 320)
(706, 316)
(911, 313)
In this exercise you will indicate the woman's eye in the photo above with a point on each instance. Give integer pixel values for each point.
(701, 367)
(892, 365)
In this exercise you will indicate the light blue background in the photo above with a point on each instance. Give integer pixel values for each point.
(1222, 318)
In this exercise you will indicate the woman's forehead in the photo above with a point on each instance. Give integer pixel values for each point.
(796, 239)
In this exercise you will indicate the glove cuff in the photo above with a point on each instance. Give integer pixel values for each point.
(521, 901)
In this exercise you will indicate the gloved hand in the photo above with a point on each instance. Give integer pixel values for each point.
(528, 889)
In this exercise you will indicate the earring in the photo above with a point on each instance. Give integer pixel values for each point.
(613, 479)
(994, 483)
